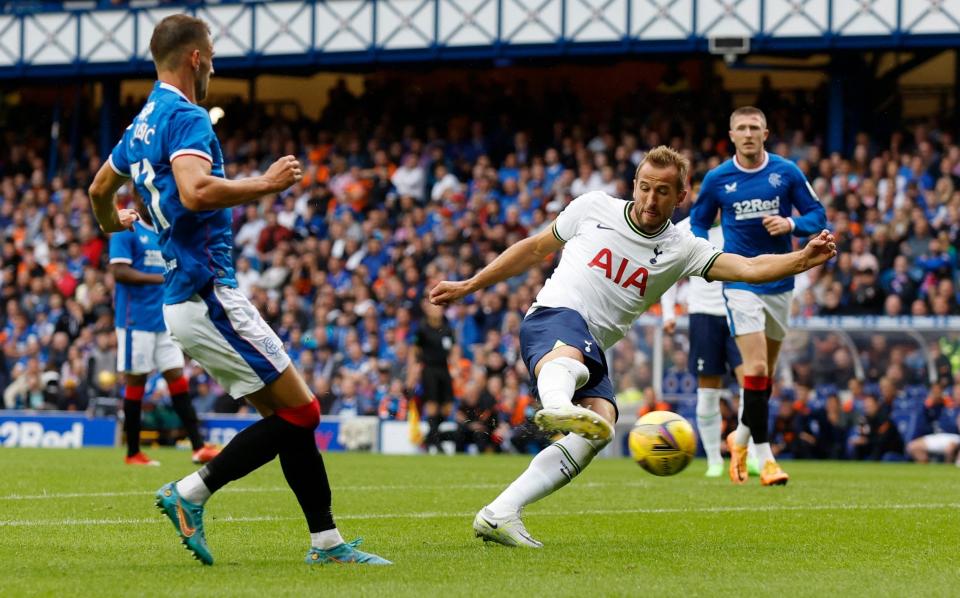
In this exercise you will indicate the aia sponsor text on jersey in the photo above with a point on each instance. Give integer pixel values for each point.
(608, 263)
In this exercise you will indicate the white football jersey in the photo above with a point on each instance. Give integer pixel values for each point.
(700, 295)
(611, 271)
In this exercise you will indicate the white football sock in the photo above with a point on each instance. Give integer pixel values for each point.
(764, 453)
(192, 489)
(752, 450)
(327, 539)
(553, 468)
(742, 431)
(708, 423)
(559, 378)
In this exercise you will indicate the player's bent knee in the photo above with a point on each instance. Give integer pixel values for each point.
(303, 416)
(567, 365)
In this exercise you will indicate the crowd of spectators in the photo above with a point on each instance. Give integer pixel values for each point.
(402, 190)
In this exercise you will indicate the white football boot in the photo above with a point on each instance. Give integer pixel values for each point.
(508, 530)
(574, 419)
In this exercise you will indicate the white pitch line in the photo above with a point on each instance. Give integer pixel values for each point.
(381, 488)
(60, 495)
(466, 514)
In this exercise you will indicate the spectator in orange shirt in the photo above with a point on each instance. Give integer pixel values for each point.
(393, 405)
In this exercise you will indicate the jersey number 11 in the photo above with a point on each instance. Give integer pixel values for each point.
(146, 169)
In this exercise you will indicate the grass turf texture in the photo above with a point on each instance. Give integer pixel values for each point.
(79, 522)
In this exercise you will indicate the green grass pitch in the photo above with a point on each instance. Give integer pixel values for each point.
(81, 523)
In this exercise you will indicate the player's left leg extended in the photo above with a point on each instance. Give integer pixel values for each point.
(553, 468)
(290, 416)
(221, 330)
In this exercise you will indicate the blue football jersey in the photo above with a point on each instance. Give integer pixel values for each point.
(197, 246)
(138, 306)
(744, 197)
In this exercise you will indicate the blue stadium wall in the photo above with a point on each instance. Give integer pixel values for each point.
(256, 35)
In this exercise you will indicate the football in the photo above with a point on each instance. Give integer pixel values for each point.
(663, 443)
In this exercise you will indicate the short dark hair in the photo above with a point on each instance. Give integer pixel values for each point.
(665, 157)
(174, 34)
(748, 111)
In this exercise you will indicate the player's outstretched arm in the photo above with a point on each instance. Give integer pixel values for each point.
(200, 190)
(105, 185)
(771, 267)
(518, 258)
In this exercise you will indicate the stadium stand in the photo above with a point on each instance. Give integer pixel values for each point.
(402, 190)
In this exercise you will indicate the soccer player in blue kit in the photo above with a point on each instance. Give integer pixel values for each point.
(174, 159)
(756, 193)
(143, 343)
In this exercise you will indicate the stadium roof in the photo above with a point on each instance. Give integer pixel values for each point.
(53, 41)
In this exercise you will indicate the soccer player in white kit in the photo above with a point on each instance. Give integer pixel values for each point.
(619, 257)
(713, 352)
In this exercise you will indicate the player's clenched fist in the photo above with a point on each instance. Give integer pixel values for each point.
(777, 225)
(283, 173)
(447, 292)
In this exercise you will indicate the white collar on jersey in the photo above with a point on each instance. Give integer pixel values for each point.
(169, 87)
(766, 160)
(149, 227)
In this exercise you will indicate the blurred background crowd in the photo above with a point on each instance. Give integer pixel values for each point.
(402, 190)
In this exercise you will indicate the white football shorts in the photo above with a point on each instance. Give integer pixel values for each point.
(749, 312)
(227, 336)
(939, 444)
(141, 352)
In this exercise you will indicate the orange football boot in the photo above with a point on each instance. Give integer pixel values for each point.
(141, 459)
(738, 460)
(772, 475)
(205, 454)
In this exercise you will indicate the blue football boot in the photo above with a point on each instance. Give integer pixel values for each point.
(342, 554)
(187, 519)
